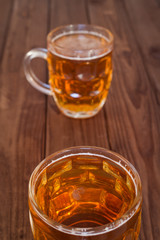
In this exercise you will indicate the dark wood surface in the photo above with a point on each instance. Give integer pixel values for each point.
(31, 126)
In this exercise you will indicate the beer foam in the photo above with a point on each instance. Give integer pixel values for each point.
(80, 45)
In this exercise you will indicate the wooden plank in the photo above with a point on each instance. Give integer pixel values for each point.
(132, 109)
(22, 118)
(146, 29)
(5, 17)
(144, 18)
(63, 132)
(63, 13)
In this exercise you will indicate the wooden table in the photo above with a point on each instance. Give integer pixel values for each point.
(31, 126)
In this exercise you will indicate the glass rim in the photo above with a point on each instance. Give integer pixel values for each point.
(82, 28)
(91, 230)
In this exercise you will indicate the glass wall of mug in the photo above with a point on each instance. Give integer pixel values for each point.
(85, 193)
(80, 68)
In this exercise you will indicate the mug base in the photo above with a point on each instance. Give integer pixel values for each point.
(79, 115)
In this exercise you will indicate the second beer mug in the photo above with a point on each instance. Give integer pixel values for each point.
(80, 68)
(85, 193)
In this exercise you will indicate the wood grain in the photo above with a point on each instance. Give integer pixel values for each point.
(22, 118)
(145, 24)
(146, 28)
(5, 18)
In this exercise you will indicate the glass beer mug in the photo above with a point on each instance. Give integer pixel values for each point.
(85, 193)
(80, 68)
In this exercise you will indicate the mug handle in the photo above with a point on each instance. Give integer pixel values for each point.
(31, 77)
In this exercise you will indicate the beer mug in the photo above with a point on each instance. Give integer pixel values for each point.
(85, 193)
(80, 68)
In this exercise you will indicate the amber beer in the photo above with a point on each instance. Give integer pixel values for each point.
(85, 193)
(80, 72)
